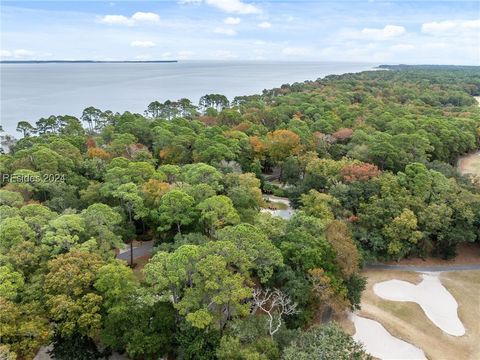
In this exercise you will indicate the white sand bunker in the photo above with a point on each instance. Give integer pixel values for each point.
(437, 303)
(380, 343)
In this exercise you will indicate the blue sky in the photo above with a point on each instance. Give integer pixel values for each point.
(434, 32)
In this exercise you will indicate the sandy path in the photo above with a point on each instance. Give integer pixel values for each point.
(407, 320)
(469, 164)
(380, 343)
(434, 299)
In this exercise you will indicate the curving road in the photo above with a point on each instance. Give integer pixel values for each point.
(146, 248)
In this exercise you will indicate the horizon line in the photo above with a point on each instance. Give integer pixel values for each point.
(84, 61)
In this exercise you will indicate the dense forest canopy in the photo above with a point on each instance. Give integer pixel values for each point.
(367, 160)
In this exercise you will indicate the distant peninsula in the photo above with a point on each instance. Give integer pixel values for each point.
(84, 61)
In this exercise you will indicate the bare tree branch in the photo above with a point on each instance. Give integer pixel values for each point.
(275, 304)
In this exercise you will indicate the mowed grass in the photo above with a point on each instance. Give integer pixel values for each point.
(407, 321)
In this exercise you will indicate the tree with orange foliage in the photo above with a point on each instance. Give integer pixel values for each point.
(153, 190)
(243, 126)
(359, 172)
(94, 152)
(325, 292)
(174, 154)
(348, 257)
(258, 146)
(281, 144)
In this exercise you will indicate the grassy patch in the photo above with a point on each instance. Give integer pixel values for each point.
(139, 265)
(470, 164)
(277, 205)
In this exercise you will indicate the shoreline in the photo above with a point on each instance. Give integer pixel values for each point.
(86, 61)
(182, 79)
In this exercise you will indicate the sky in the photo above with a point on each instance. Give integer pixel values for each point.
(410, 32)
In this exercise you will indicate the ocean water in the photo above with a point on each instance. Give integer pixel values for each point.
(31, 91)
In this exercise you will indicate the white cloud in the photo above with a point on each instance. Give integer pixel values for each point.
(142, 44)
(388, 32)
(23, 54)
(436, 45)
(450, 26)
(434, 27)
(232, 20)
(185, 55)
(145, 17)
(138, 17)
(143, 57)
(265, 25)
(402, 47)
(471, 24)
(296, 51)
(234, 6)
(225, 31)
(115, 20)
(223, 55)
(5, 53)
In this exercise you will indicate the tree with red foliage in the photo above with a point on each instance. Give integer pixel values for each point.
(91, 143)
(359, 172)
(343, 134)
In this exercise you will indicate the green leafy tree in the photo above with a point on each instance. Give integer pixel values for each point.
(23, 327)
(63, 233)
(72, 302)
(25, 128)
(248, 339)
(202, 174)
(176, 208)
(197, 344)
(103, 225)
(319, 205)
(244, 191)
(325, 343)
(131, 201)
(217, 212)
(142, 329)
(250, 239)
(75, 346)
(26, 257)
(11, 282)
(14, 230)
(202, 282)
(10, 198)
(37, 217)
(402, 233)
(115, 282)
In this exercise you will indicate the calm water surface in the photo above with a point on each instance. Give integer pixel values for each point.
(31, 91)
